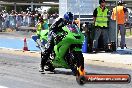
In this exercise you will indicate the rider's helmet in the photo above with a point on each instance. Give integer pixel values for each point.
(68, 16)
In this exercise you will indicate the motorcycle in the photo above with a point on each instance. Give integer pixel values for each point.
(67, 52)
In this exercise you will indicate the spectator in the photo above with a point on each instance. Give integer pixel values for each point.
(101, 25)
(29, 19)
(18, 20)
(1, 20)
(6, 19)
(33, 20)
(25, 19)
(36, 37)
(122, 17)
(45, 15)
(12, 20)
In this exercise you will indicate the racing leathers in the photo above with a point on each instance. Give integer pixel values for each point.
(54, 28)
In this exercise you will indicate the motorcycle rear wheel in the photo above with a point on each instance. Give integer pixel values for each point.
(75, 60)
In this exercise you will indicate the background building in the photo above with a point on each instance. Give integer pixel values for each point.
(82, 7)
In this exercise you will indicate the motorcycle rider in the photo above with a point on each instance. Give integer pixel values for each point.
(54, 28)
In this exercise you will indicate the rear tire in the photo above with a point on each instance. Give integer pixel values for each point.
(81, 80)
(75, 60)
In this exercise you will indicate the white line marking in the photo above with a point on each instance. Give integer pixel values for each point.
(3, 87)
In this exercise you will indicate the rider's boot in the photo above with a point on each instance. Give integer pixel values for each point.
(49, 67)
(41, 69)
(44, 57)
(43, 61)
(46, 53)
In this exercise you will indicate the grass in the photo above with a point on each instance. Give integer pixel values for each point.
(128, 33)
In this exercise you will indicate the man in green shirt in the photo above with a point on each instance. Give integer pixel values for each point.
(41, 25)
(100, 16)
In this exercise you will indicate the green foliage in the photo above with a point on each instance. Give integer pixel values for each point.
(9, 8)
(53, 10)
(128, 33)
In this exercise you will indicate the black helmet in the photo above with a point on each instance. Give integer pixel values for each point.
(68, 16)
(101, 1)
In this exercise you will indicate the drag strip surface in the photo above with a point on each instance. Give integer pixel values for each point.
(17, 71)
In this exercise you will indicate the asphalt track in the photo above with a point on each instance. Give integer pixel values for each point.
(17, 71)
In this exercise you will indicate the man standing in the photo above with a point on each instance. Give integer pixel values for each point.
(1, 20)
(121, 15)
(45, 15)
(6, 19)
(101, 24)
(39, 26)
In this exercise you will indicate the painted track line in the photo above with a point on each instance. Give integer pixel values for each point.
(3, 87)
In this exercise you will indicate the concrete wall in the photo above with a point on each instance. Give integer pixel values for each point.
(82, 7)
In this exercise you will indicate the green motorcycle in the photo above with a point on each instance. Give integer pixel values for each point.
(67, 51)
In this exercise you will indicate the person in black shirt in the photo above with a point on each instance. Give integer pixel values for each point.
(100, 16)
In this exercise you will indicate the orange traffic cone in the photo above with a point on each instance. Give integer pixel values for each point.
(25, 48)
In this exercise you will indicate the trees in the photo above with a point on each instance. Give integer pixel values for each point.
(53, 10)
(9, 8)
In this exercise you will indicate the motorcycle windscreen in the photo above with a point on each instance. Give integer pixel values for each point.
(73, 28)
